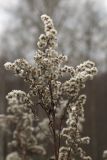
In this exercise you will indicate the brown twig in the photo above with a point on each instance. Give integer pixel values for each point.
(54, 122)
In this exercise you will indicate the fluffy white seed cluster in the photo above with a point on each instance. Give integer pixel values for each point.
(47, 40)
(19, 102)
(24, 141)
(21, 68)
(13, 156)
(71, 133)
(56, 95)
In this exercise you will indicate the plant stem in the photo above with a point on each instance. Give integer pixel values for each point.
(54, 123)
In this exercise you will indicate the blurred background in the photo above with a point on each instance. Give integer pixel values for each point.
(82, 35)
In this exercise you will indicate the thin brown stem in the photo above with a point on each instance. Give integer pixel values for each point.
(54, 122)
(61, 122)
(42, 106)
(51, 126)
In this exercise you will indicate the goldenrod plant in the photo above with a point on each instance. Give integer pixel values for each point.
(59, 97)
